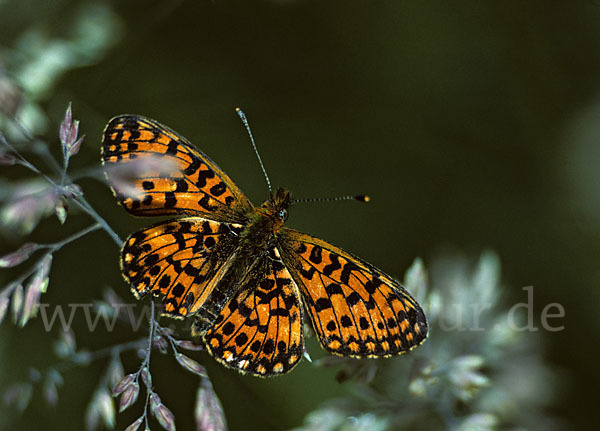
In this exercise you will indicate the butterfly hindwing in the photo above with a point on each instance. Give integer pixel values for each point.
(179, 260)
(356, 309)
(260, 330)
(154, 171)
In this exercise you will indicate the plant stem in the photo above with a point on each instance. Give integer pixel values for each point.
(146, 363)
(58, 245)
(84, 205)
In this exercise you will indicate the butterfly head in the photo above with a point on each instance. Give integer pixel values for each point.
(277, 206)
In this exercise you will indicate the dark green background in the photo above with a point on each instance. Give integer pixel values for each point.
(462, 120)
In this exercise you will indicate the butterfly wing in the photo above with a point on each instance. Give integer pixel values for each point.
(260, 330)
(356, 309)
(179, 260)
(154, 171)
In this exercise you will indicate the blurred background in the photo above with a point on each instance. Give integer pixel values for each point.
(472, 126)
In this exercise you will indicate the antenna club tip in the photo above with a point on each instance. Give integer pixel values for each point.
(363, 198)
(242, 116)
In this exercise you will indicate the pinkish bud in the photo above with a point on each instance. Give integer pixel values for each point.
(44, 268)
(154, 400)
(161, 344)
(190, 365)
(123, 384)
(74, 149)
(188, 345)
(68, 133)
(147, 378)
(163, 415)
(18, 256)
(135, 426)
(27, 204)
(62, 209)
(129, 396)
(36, 286)
(65, 126)
(73, 132)
(3, 306)
(17, 301)
(7, 159)
(209, 411)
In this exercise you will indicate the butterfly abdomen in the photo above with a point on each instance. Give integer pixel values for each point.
(254, 241)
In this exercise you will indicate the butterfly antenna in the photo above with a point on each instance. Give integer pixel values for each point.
(262, 166)
(360, 198)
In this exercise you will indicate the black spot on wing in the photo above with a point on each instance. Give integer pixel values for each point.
(333, 266)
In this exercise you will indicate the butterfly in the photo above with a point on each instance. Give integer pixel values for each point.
(248, 282)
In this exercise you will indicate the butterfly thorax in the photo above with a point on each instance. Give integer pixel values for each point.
(258, 235)
(264, 223)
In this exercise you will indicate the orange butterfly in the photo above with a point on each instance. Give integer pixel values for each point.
(247, 280)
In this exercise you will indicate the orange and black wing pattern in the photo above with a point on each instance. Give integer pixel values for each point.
(180, 261)
(259, 331)
(154, 171)
(356, 309)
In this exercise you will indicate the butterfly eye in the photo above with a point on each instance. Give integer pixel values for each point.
(283, 214)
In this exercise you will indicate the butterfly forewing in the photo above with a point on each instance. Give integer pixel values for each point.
(179, 260)
(356, 309)
(154, 171)
(260, 330)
